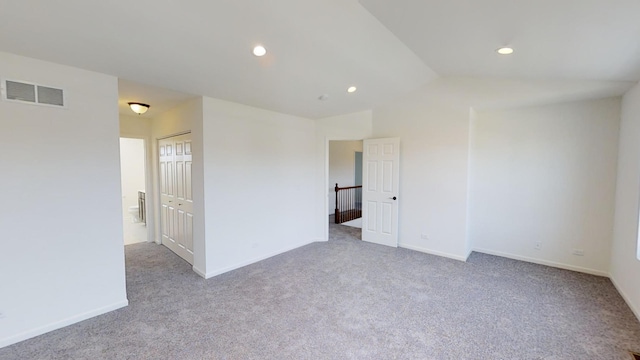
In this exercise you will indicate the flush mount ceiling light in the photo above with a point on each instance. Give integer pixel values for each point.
(352, 89)
(505, 51)
(139, 108)
(259, 51)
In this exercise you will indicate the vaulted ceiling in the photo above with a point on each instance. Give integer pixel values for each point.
(553, 39)
(385, 48)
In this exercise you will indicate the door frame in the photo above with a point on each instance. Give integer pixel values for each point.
(325, 212)
(148, 183)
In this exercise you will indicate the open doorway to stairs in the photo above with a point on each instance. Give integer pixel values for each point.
(345, 188)
(133, 184)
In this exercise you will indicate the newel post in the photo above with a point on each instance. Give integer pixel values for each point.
(337, 210)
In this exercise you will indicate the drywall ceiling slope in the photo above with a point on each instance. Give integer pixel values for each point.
(553, 39)
(204, 48)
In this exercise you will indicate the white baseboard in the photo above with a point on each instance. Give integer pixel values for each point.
(626, 298)
(60, 324)
(199, 272)
(544, 262)
(209, 275)
(433, 252)
(468, 254)
(320, 240)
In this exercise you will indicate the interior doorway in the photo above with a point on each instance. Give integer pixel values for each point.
(377, 204)
(133, 185)
(345, 181)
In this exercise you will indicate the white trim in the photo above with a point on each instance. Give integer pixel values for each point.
(626, 298)
(60, 324)
(467, 236)
(254, 260)
(544, 262)
(199, 272)
(174, 135)
(468, 254)
(320, 240)
(433, 252)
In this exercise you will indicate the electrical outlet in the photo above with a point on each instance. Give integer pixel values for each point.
(578, 252)
(538, 245)
(424, 236)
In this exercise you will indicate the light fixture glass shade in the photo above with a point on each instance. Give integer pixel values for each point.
(139, 108)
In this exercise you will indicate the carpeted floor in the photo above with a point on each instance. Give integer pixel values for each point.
(347, 299)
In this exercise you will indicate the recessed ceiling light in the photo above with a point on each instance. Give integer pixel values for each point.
(352, 89)
(505, 51)
(259, 50)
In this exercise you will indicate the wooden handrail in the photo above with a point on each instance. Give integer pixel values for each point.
(347, 188)
(348, 203)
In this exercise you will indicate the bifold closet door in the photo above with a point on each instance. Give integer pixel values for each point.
(176, 195)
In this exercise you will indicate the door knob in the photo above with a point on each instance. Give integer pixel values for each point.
(393, 198)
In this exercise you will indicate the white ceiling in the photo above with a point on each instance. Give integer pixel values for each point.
(553, 39)
(322, 47)
(204, 47)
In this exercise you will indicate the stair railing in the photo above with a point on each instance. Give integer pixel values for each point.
(348, 203)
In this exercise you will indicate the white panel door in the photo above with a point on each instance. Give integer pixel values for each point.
(380, 185)
(176, 196)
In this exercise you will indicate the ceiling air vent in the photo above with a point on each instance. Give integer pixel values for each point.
(32, 93)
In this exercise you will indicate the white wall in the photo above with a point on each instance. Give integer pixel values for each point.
(135, 126)
(434, 144)
(186, 117)
(259, 173)
(546, 174)
(355, 126)
(625, 266)
(62, 259)
(342, 164)
(434, 129)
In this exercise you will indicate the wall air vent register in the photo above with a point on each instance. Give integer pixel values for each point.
(33, 93)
